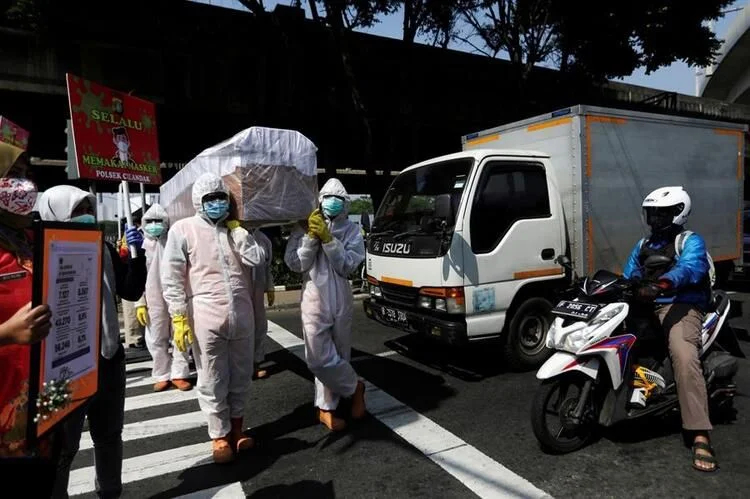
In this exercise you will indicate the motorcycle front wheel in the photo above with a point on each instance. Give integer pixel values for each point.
(552, 414)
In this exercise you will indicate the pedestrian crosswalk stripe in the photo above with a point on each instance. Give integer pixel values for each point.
(478, 472)
(146, 379)
(139, 366)
(231, 491)
(154, 427)
(159, 398)
(145, 466)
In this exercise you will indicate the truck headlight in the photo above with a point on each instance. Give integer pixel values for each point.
(374, 287)
(449, 300)
(425, 302)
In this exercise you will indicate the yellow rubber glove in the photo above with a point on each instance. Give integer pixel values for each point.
(271, 295)
(233, 224)
(183, 334)
(324, 234)
(319, 228)
(141, 313)
(313, 222)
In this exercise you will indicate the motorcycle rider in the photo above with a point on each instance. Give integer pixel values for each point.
(681, 312)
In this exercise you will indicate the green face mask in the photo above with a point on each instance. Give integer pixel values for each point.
(154, 229)
(84, 219)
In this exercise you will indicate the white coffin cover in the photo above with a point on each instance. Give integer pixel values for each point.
(271, 173)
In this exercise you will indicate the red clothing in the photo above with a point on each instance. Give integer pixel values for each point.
(15, 292)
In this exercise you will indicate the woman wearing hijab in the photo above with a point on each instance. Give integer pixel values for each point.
(105, 411)
(20, 324)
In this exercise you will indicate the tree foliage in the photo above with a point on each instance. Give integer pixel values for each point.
(594, 38)
(361, 205)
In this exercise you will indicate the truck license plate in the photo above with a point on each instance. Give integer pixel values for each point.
(575, 309)
(394, 316)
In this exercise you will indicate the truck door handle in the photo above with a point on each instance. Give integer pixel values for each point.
(548, 254)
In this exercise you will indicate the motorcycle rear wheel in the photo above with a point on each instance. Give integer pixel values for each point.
(554, 427)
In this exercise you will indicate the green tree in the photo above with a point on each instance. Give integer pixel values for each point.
(594, 38)
(361, 205)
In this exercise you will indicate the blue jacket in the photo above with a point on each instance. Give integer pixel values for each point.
(690, 268)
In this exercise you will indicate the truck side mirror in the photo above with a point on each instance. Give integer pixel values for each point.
(444, 208)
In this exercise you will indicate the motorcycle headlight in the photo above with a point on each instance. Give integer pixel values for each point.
(574, 341)
(577, 338)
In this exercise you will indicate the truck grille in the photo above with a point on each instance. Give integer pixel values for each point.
(403, 295)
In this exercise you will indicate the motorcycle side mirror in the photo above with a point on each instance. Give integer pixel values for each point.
(657, 261)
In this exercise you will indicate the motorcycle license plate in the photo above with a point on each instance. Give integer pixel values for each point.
(575, 309)
(396, 317)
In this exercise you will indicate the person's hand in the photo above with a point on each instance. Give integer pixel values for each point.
(141, 313)
(314, 221)
(27, 326)
(233, 224)
(318, 227)
(651, 291)
(183, 333)
(134, 237)
(271, 295)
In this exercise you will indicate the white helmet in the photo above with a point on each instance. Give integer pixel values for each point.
(666, 206)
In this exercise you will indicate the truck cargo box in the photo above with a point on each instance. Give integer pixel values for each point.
(605, 161)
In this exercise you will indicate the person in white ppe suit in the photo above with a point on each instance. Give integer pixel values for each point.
(170, 369)
(326, 254)
(262, 285)
(205, 272)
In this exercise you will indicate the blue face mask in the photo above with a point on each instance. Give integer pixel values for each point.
(216, 209)
(84, 219)
(332, 206)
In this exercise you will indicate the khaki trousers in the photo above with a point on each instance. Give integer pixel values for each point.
(682, 323)
(133, 329)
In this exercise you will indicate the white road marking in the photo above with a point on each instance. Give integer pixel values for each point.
(154, 427)
(481, 474)
(139, 366)
(231, 491)
(387, 353)
(146, 466)
(145, 380)
(160, 398)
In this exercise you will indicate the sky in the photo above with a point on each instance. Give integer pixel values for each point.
(676, 78)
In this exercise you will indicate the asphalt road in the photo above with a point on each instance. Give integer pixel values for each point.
(466, 392)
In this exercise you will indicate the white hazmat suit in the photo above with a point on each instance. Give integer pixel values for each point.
(159, 330)
(262, 282)
(206, 279)
(327, 303)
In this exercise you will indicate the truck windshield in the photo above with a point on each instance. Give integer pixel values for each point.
(409, 206)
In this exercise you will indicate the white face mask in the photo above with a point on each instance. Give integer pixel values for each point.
(17, 195)
(122, 146)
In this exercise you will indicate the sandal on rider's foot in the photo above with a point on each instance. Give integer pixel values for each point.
(709, 458)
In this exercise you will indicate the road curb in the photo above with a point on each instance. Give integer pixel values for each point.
(295, 287)
(287, 306)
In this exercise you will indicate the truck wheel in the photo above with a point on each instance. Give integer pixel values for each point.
(527, 333)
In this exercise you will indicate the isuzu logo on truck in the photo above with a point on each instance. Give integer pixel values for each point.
(396, 248)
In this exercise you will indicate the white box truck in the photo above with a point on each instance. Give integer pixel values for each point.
(463, 247)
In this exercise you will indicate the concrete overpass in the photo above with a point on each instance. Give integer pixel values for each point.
(729, 78)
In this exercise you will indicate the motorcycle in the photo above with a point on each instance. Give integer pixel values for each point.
(593, 379)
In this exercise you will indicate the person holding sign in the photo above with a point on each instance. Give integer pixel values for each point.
(151, 311)
(20, 324)
(105, 411)
(207, 288)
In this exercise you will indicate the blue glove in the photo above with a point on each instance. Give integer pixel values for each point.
(133, 237)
